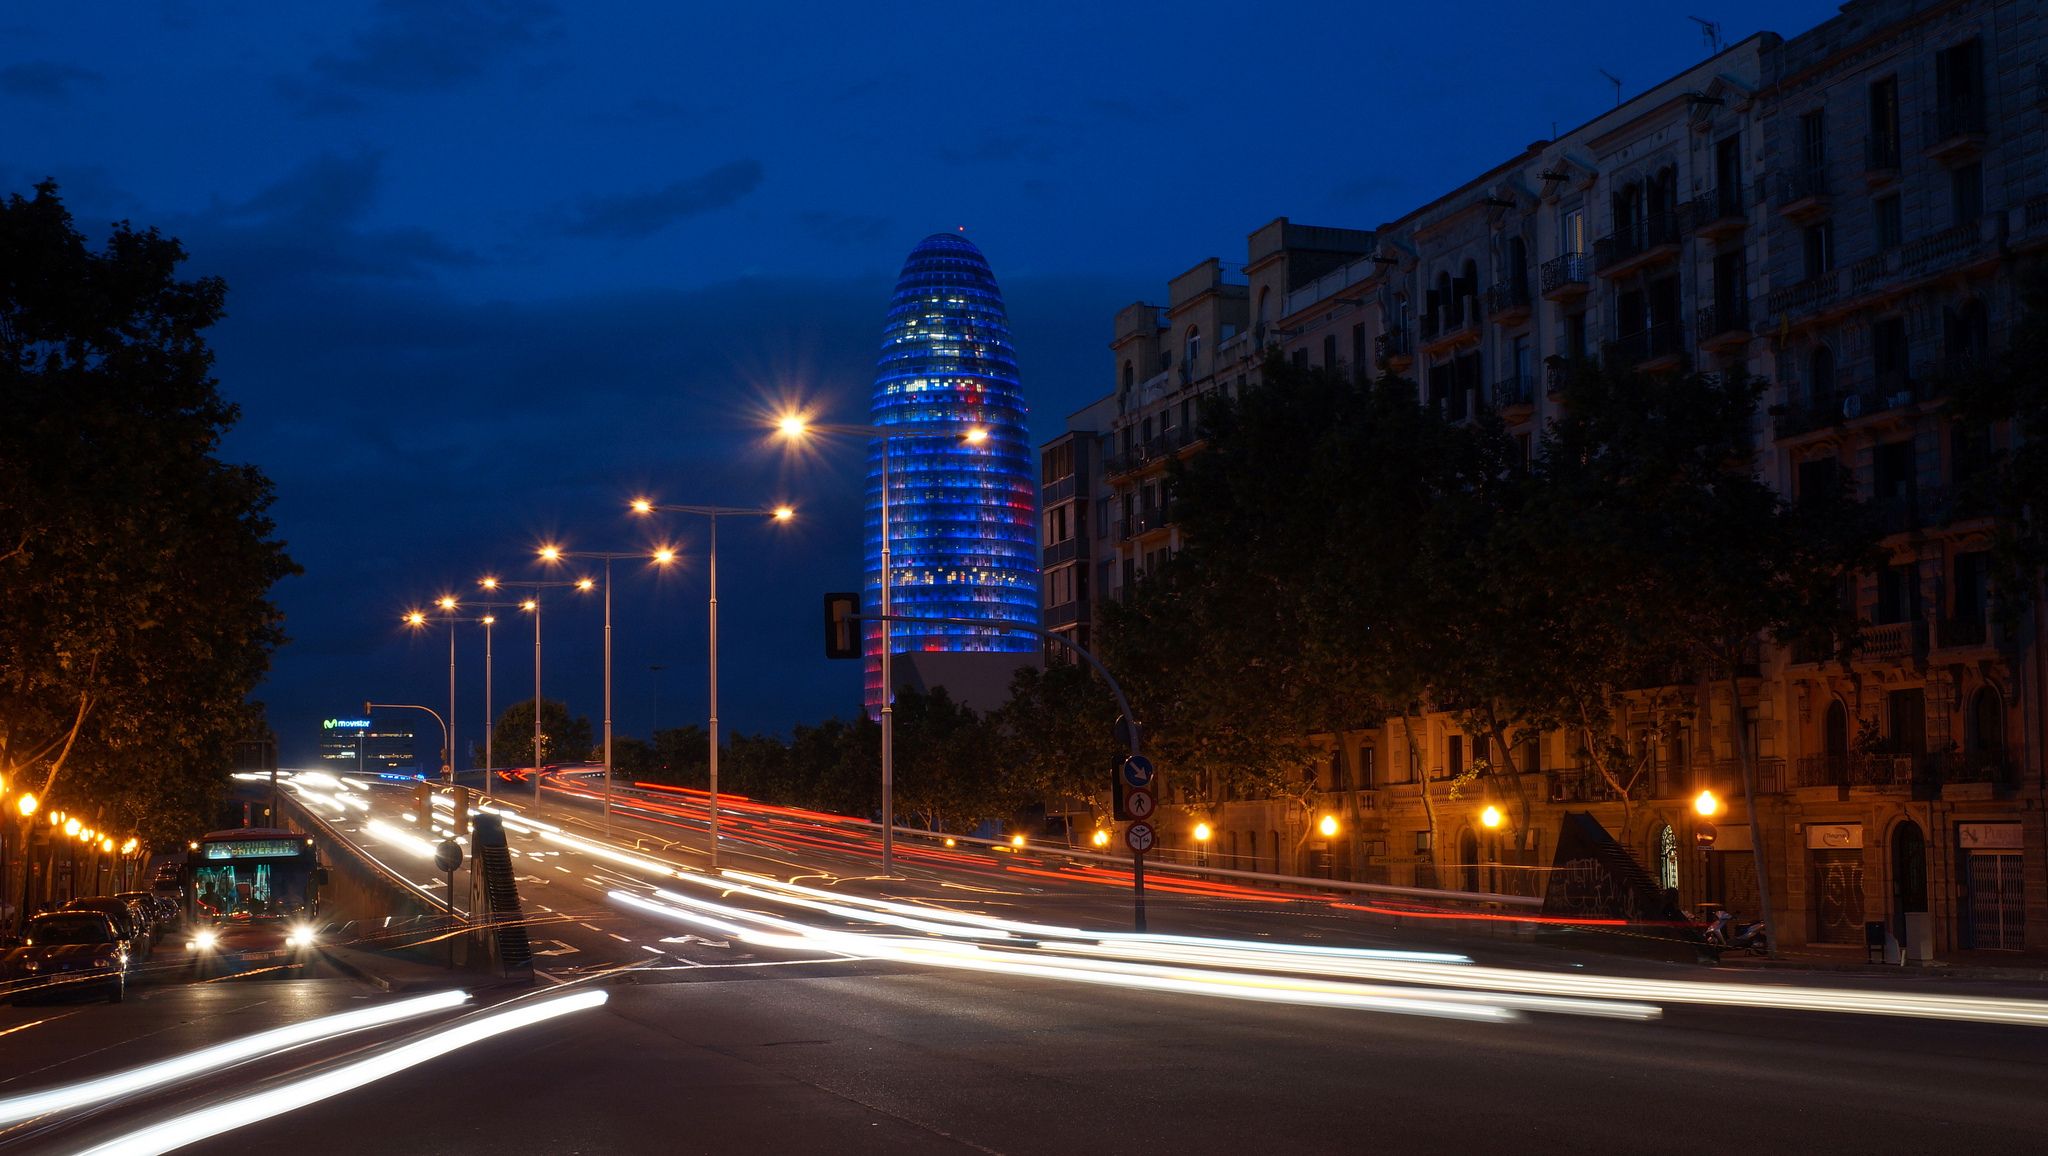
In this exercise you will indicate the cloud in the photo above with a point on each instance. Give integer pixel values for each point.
(312, 224)
(45, 79)
(637, 215)
(835, 228)
(416, 46)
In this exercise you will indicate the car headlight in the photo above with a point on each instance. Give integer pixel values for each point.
(203, 941)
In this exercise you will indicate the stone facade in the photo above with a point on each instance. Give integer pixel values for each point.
(1841, 212)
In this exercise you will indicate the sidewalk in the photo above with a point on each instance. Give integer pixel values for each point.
(1960, 965)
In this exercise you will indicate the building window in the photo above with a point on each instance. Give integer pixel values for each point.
(1191, 351)
(1813, 138)
(1130, 376)
(1454, 756)
(1884, 124)
(1571, 236)
(1819, 244)
(1889, 347)
(1889, 222)
(1330, 352)
(1966, 193)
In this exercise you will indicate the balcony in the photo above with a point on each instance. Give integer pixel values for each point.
(1806, 296)
(1725, 776)
(1065, 614)
(1881, 154)
(1566, 278)
(1955, 129)
(1055, 492)
(1449, 328)
(1654, 238)
(1065, 551)
(1558, 373)
(1968, 632)
(1508, 302)
(1719, 212)
(1659, 347)
(1394, 350)
(1514, 395)
(1893, 641)
(1578, 785)
(1144, 521)
(1724, 325)
(1803, 192)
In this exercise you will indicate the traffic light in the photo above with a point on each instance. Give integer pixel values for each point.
(842, 633)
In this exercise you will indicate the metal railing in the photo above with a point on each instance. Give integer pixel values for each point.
(1959, 116)
(1065, 551)
(1566, 271)
(1723, 203)
(1664, 339)
(1516, 389)
(1800, 184)
(1508, 297)
(1808, 294)
(1652, 232)
(1730, 316)
(1394, 343)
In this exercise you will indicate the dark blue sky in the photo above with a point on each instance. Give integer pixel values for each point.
(496, 267)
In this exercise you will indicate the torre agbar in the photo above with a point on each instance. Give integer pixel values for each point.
(963, 508)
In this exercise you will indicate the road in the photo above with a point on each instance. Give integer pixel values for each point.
(994, 1004)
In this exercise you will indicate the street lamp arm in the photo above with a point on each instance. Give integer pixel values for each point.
(1122, 704)
(713, 511)
(447, 746)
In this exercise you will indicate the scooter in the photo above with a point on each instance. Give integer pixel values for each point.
(1723, 933)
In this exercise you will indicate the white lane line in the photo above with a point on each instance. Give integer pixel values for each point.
(620, 938)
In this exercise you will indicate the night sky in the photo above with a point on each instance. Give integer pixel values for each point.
(496, 268)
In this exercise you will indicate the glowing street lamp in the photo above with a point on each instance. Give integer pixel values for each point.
(781, 513)
(531, 605)
(661, 557)
(26, 805)
(418, 620)
(1490, 818)
(794, 427)
(72, 827)
(1100, 838)
(1706, 804)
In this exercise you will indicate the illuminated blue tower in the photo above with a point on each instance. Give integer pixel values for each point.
(963, 514)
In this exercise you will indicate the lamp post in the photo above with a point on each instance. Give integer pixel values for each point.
(793, 427)
(490, 720)
(660, 557)
(418, 620)
(369, 707)
(780, 514)
(532, 606)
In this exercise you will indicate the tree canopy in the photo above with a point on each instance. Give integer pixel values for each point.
(138, 565)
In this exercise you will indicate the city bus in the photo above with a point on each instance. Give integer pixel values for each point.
(254, 893)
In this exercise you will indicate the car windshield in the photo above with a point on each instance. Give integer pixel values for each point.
(57, 929)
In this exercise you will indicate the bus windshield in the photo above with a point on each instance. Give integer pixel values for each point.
(243, 877)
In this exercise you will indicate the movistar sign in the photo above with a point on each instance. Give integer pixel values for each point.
(342, 724)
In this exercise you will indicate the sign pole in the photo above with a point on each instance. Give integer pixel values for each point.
(1138, 887)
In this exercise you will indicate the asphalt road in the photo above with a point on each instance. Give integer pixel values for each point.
(872, 1059)
(755, 1039)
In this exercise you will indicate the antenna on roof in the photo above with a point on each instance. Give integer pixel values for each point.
(1615, 81)
(1710, 34)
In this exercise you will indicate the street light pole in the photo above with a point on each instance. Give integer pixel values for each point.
(533, 605)
(369, 707)
(490, 720)
(780, 514)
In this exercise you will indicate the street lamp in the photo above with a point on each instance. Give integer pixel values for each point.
(794, 427)
(532, 606)
(446, 736)
(1490, 818)
(1202, 836)
(711, 513)
(661, 557)
(1706, 804)
(418, 620)
(1328, 826)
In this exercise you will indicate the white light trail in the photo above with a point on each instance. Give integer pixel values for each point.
(212, 1121)
(397, 838)
(155, 1075)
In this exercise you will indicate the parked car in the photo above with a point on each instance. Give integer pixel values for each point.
(146, 904)
(127, 920)
(67, 951)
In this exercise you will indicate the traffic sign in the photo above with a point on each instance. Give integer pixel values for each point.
(1138, 771)
(1138, 837)
(1139, 803)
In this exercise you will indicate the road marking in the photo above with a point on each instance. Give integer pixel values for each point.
(655, 950)
(593, 927)
(620, 938)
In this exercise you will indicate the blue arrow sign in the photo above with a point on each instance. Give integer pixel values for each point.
(1138, 771)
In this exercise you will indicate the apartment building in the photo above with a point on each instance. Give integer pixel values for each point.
(1841, 212)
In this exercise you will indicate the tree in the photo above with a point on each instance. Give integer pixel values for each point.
(946, 768)
(137, 564)
(562, 739)
(1692, 558)
(1057, 736)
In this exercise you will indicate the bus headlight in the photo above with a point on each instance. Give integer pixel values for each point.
(203, 941)
(300, 936)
